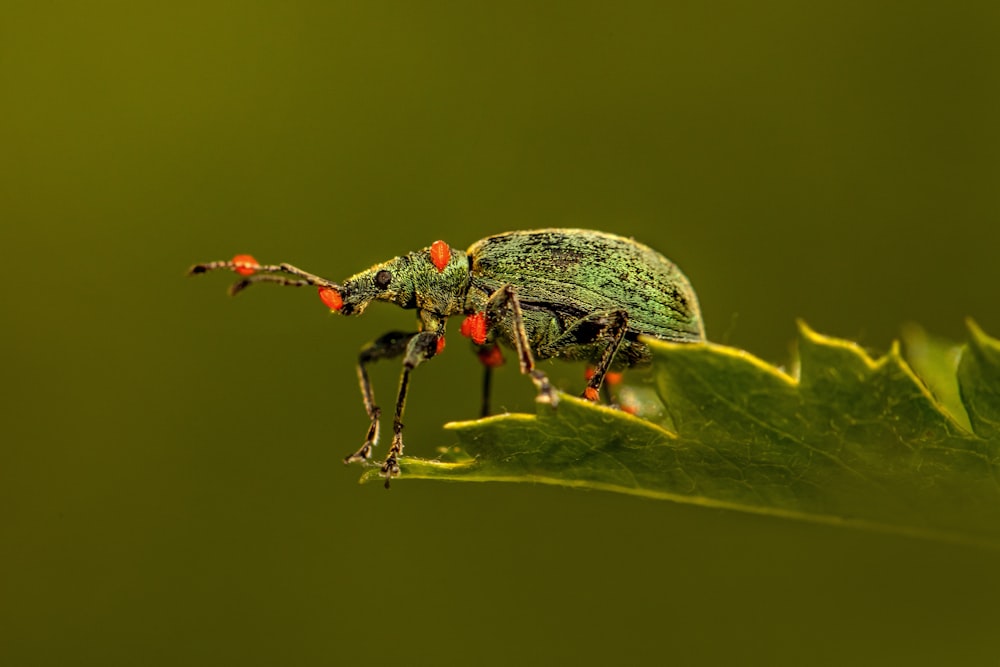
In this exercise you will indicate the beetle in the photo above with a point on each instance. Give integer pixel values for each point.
(569, 294)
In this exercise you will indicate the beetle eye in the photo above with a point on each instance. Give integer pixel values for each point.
(382, 279)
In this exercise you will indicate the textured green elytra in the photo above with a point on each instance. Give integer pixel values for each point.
(567, 280)
(569, 294)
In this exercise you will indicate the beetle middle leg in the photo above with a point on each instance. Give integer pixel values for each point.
(506, 297)
(490, 357)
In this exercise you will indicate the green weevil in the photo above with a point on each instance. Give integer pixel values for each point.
(569, 294)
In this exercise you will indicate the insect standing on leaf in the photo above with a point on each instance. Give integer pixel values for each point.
(568, 294)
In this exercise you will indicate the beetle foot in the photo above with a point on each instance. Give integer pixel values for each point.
(546, 394)
(371, 439)
(363, 454)
(390, 468)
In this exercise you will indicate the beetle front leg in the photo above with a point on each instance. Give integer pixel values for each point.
(506, 297)
(387, 346)
(419, 348)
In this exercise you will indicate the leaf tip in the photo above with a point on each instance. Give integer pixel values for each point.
(981, 343)
(809, 335)
(805, 331)
(975, 331)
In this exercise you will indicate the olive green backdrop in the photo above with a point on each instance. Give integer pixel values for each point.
(171, 490)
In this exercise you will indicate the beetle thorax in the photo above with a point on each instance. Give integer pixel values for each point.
(440, 279)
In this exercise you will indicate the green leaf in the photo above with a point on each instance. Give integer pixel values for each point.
(935, 361)
(847, 440)
(979, 380)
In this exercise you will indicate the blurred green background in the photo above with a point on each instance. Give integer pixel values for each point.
(171, 489)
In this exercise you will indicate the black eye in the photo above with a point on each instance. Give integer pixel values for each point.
(382, 279)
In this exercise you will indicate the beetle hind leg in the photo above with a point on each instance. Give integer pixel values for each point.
(604, 328)
(610, 379)
(614, 333)
(490, 357)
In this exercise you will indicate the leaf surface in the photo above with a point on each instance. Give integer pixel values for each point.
(845, 439)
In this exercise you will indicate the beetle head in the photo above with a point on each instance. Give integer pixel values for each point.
(433, 279)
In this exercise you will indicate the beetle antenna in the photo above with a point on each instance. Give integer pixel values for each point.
(282, 274)
(241, 285)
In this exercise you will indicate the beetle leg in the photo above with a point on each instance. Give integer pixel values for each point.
(387, 346)
(605, 387)
(490, 357)
(506, 297)
(487, 390)
(610, 326)
(419, 348)
(615, 333)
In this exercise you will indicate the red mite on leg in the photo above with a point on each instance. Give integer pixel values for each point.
(245, 265)
(491, 357)
(474, 327)
(611, 378)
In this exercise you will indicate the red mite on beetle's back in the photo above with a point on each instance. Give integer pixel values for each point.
(567, 294)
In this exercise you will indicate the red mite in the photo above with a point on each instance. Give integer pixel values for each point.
(491, 357)
(440, 254)
(331, 298)
(474, 327)
(245, 265)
